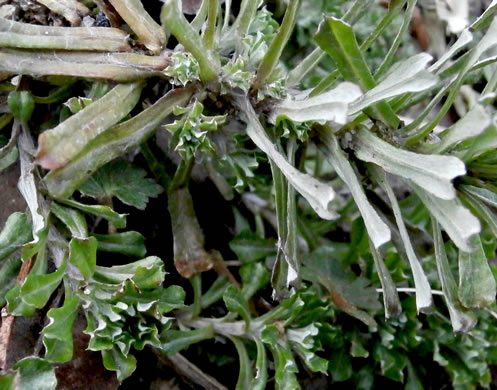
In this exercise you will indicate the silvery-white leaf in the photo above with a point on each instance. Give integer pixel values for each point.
(27, 185)
(328, 106)
(481, 20)
(318, 194)
(432, 172)
(464, 39)
(470, 125)
(456, 220)
(409, 75)
(378, 231)
(455, 13)
(424, 298)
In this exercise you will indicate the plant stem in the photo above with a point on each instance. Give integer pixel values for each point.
(172, 17)
(196, 281)
(270, 60)
(307, 64)
(199, 19)
(247, 12)
(210, 30)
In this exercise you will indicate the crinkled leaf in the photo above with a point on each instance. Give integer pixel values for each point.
(477, 286)
(174, 341)
(83, 255)
(318, 194)
(58, 146)
(118, 220)
(8, 275)
(461, 319)
(377, 229)
(57, 335)
(127, 243)
(456, 220)
(328, 106)
(16, 232)
(249, 247)
(433, 173)
(123, 180)
(405, 76)
(115, 360)
(236, 303)
(74, 220)
(147, 273)
(285, 367)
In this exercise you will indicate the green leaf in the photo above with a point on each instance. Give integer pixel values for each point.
(328, 106)
(21, 104)
(127, 243)
(245, 373)
(118, 220)
(236, 303)
(483, 194)
(285, 368)
(215, 292)
(58, 146)
(123, 180)
(432, 172)
(340, 365)
(16, 232)
(477, 286)
(174, 341)
(461, 319)
(83, 255)
(57, 335)
(73, 219)
(9, 159)
(115, 360)
(8, 275)
(249, 247)
(37, 289)
(34, 373)
(337, 39)
(147, 273)
(392, 362)
(377, 229)
(261, 365)
(254, 277)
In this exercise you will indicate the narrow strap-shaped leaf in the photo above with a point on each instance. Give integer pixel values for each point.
(174, 341)
(462, 320)
(261, 365)
(424, 299)
(456, 220)
(112, 143)
(31, 36)
(338, 40)
(60, 145)
(432, 172)
(149, 32)
(377, 229)
(245, 373)
(318, 194)
(236, 303)
(477, 286)
(118, 220)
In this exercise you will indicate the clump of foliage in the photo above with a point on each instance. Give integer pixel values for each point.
(346, 187)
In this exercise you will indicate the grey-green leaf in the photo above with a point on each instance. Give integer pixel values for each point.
(73, 219)
(477, 286)
(127, 243)
(83, 256)
(16, 232)
(118, 220)
(236, 303)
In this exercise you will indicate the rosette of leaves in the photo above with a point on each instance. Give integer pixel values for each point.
(190, 132)
(184, 69)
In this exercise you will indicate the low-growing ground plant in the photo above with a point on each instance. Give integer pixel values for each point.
(322, 177)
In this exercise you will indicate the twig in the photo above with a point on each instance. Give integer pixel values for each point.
(8, 321)
(189, 370)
